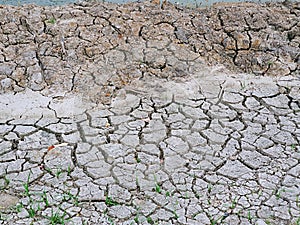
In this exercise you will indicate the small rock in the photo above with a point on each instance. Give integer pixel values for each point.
(7, 200)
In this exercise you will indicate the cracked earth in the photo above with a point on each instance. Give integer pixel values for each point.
(136, 114)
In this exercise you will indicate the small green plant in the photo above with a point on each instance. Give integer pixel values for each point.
(58, 172)
(209, 188)
(69, 196)
(69, 170)
(218, 220)
(3, 217)
(52, 20)
(168, 194)
(213, 221)
(268, 222)
(26, 186)
(193, 175)
(19, 207)
(137, 182)
(31, 212)
(48, 170)
(150, 220)
(175, 214)
(157, 188)
(279, 192)
(197, 195)
(243, 85)
(136, 219)
(233, 203)
(6, 181)
(138, 160)
(226, 214)
(110, 202)
(57, 218)
(249, 216)
(293, 147)
(194, 215)
(110, 220)
(75, 200)
(45, 198)
(239, 212)
(186, 196)
(259, 193)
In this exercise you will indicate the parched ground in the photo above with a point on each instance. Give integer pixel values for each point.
(108, 45)
(141, 114)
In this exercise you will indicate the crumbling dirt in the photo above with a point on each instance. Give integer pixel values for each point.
(104, 46)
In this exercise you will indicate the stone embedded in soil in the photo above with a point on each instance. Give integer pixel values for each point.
(7, 201)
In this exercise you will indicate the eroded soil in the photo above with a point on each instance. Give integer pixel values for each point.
(107, 46)
(133, 114)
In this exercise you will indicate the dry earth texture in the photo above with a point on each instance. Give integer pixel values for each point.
(140, 114)
(96, 49)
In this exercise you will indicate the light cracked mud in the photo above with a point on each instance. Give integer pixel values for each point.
(109, 115)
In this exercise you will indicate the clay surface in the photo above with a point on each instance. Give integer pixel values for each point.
(141, 114)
